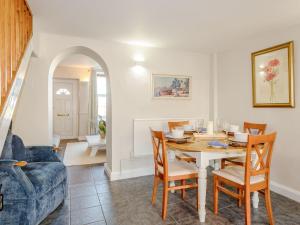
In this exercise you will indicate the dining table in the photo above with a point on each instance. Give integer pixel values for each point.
(198, 147)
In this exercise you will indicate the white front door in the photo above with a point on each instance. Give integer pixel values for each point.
(65, 108)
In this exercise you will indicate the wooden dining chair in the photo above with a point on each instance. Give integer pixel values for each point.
(250, 128)
(181, 155)
(173, 171)
(173, 124)
(249, 178)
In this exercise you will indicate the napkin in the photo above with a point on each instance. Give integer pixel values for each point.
(217, 144)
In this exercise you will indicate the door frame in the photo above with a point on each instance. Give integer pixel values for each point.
(75, 110)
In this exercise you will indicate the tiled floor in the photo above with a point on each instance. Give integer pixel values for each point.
(94, 200)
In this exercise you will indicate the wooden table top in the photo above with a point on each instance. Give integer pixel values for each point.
(200, 145)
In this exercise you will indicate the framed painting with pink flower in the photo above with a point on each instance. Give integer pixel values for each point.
(272, 76)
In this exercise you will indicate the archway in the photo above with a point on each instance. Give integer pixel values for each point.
(98, 59)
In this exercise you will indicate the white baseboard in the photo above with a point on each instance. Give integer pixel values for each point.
(285, 191)
(126, 174)
(81, 138)
(107, 170)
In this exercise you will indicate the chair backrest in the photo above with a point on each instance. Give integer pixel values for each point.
(173, 124)
(262, 145)
(18, 148)
(255, 128)
(159, 151)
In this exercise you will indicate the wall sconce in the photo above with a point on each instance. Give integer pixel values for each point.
(138, 67)
(139, 64)
(138, 57)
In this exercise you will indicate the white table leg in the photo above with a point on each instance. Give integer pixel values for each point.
(202, 164)
(171, 157)
(217, 164)
(255, 197)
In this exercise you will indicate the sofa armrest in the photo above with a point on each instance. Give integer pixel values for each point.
(41, 154)
(15, 184)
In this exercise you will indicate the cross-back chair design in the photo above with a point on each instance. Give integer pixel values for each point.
(180, 155)
(255, 176)
(255, 128)
(174, 124)
(250, 128)
(173, 171)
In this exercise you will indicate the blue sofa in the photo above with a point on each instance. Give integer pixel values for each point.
(33, 191)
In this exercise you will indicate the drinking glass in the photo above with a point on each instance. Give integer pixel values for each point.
(199, 125)
(226, 125)
(219, 125)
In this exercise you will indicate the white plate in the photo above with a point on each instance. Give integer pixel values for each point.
(234, 140)
(170, 136)
(216, 146)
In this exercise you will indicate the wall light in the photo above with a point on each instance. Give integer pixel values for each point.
(138, 67)
(138, 57)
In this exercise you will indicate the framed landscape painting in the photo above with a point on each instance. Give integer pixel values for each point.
(272, 76)
(171, 86)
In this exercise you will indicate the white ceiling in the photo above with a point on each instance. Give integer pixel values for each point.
(181, 24)
(79, 61)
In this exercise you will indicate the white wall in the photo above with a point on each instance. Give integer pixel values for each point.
(235, 103)
(130, 92)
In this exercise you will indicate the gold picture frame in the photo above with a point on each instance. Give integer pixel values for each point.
(273, 76)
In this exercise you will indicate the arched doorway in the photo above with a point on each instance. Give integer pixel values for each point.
(81, 50)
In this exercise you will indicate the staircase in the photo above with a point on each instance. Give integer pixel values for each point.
(15, 53)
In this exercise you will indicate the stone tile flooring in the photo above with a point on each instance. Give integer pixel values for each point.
(94, 200)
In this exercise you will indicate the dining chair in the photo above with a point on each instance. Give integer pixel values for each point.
(250, 128)
(173, 171)
(249, 178)
(181, 155)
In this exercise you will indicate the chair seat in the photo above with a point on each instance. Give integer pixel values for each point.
(45, 175)
(179, 168)
(237, 159)
(237, 175)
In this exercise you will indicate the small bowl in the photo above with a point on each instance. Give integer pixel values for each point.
(177, 133)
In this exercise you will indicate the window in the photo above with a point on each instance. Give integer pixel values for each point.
(63, 91)
(101, 92)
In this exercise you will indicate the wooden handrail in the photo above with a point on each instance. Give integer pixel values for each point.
(15, 33)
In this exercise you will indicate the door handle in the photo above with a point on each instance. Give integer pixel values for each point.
(61, 114)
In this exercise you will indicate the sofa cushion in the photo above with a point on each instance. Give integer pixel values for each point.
(7, 148)
(45, 176)
(18, 148)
